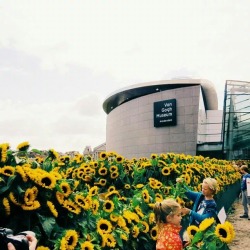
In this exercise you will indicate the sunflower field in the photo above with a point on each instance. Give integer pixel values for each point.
(76, 202)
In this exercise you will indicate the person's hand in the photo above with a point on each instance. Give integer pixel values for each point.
(185, 211)
(32, 241)
(11, 246)
(180, 180)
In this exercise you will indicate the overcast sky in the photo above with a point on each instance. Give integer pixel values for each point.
(60, 59)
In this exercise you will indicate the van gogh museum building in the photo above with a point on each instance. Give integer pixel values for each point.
(179, 116)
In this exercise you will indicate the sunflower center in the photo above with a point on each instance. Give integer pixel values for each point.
(104, 227)
(154, 233)
(223, 233)
(46, 181)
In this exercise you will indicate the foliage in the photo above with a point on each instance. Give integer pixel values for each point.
(76, 202)
(211, 236)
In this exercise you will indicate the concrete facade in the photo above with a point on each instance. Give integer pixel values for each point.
(130, 127)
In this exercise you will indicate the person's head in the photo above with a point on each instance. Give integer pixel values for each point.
(168, 211)
(243, 169)
(209, 186)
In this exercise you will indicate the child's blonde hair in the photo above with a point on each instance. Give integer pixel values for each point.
(212, 183)
(165, 208)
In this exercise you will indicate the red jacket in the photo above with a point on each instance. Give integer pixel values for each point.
(169, 238)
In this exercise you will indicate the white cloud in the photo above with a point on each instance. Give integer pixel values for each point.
(52, 123)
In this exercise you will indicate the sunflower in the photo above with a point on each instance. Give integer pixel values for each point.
(145, 195)
(139, 186)
(139, 211)
(102, 182)
(155, 184)
(154, 233)
(87, 245)
(128, 215)
(20, 171)
(158, 197)
(60, 197)
(180, 201)
(93, 191)
(153, 156)
(93, 164)
(104, 226)
(30, 195)
(192, 230)
(187, 179)
(114, 175)
(127, 186)
(124, 237)
(111, 189)
(103, 171)
(35, 205)
(119, 159)
(103, 155)
(135, 231)
(52, 209)
(42, 248)
(223, 232)
(53, 154)
(23, 146)
(113, 168)
(65, 188)
(13, 199)
(206, 223)
(71, 206)
(166, 171)
(121, 222)
(167, 190)
(6, 205)
(231, 228)
(108, 240)
(151, 218)
(8, 171)
(95, 206)
(70, 239)
(145, 227)
(80, 201)
(113, 217)
(108, 206)
(3, 152)
(47, 180)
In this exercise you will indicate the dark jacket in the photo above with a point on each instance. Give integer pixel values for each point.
(244, 181)
(209, 207)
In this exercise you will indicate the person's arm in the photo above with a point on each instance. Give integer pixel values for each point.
(191, 195)
(211, 211)
(201, 217)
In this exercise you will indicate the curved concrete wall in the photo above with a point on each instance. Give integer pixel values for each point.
(130, 127)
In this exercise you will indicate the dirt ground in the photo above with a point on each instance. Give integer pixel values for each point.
(241, 227)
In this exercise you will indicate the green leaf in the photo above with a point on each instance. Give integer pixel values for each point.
(212, 245)
(197, 237)
(36, 151)
(47, 224)
(8, 185)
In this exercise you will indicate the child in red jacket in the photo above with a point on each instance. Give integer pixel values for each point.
(168, 218)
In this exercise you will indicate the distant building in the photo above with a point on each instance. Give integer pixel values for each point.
(236, 116)
(179, 115)
(95, 153)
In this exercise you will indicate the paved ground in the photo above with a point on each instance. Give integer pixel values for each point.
(241, 227)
